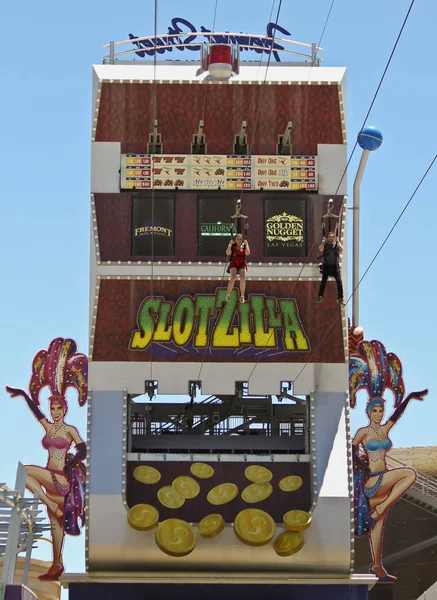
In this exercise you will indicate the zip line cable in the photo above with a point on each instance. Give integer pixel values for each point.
(372, 261)
(154, 141)
(253, 138)
(377, 90)
(322, 34)
(207, 87)
(350, 158)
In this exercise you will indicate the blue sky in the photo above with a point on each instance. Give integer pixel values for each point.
(45, 120)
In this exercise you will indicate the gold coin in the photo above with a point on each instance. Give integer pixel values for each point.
(256, 492)
(201, 470)
(170, 497)
(297, 520)
(291, 483)
(254, 527)
(211, 526)
(175, 537)
(288, 543)
(221, 494)
(146, 474)
(143, 517)
(186, 486)
(258, 474)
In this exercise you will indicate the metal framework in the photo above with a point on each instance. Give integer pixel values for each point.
(20, 526)
(231, 423)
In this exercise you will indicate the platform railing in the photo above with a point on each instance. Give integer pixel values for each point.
(162, 42)
(424, 484)
(201, 425)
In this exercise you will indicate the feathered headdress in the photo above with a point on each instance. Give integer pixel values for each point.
(59, 367)
(372, 369)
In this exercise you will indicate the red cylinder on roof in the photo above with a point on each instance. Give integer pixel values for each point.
(220, 61)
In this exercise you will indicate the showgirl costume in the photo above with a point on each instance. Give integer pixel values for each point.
(372, 369)
(61, 367)
(237, 258)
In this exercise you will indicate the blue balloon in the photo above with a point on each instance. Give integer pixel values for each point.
(370, 138)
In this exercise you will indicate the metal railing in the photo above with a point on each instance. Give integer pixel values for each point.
(424, 484)
(202, 425)
(21, 526)
(167, 41)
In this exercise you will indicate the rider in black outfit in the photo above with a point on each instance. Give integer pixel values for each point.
(331, 248)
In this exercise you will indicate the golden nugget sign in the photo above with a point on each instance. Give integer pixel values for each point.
(208, 321)
(285, 228)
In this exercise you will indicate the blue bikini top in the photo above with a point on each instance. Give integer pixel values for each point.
(373, 445)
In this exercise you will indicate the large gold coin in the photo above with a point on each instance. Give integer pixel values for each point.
(187, 487)
(291, 483)
(221, 494)
(170, 497)
(297, 520)
(288, 543)
(211, 526)
(175, 537)
(143, 517)
(254, 527)
(146, 474)
(201, 470)
(256, 492)
(258, 474)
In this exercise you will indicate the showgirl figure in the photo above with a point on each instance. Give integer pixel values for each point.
(60, 485)
(376, 487)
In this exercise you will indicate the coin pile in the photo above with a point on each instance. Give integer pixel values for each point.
(252, 526)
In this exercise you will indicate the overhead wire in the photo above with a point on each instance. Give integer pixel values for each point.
(154, 114)
(377, 90)
(371, 262)
(253, 135)
(322, 34)
(350, 157)
(207, 87)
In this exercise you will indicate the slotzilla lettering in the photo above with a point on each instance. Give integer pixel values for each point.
(209, 321)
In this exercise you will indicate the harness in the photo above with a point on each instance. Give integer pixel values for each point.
(331, 250)
(232, 255)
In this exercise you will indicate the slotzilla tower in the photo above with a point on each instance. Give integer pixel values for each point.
(218, 430)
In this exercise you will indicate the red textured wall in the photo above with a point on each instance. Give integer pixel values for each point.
(113, 213)
(127, 111)
(120, 300)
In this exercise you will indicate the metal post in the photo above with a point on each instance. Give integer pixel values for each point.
(10, 556)
(111, 53)
(313, 55)
(30, 539)
(356, 238)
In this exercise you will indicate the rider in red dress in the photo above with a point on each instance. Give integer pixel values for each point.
(237, 251)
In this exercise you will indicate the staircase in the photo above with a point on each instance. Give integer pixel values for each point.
(423, 492)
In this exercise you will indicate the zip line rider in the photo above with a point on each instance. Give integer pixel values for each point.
(237, 252)
(331, 248)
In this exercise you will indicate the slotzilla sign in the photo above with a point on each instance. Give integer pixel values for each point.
(182, 26)
(192, 322)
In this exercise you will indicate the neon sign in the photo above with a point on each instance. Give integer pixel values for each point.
(208, 321)
(177, 27)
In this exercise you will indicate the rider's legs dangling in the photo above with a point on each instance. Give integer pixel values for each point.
(231, 283)
(242, 274)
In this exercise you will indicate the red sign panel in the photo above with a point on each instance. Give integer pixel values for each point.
(191, 321)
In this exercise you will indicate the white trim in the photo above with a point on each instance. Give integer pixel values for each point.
(212, 578)
(217, 457)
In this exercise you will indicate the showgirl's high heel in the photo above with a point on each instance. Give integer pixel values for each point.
(382, 574)
(53, 573)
